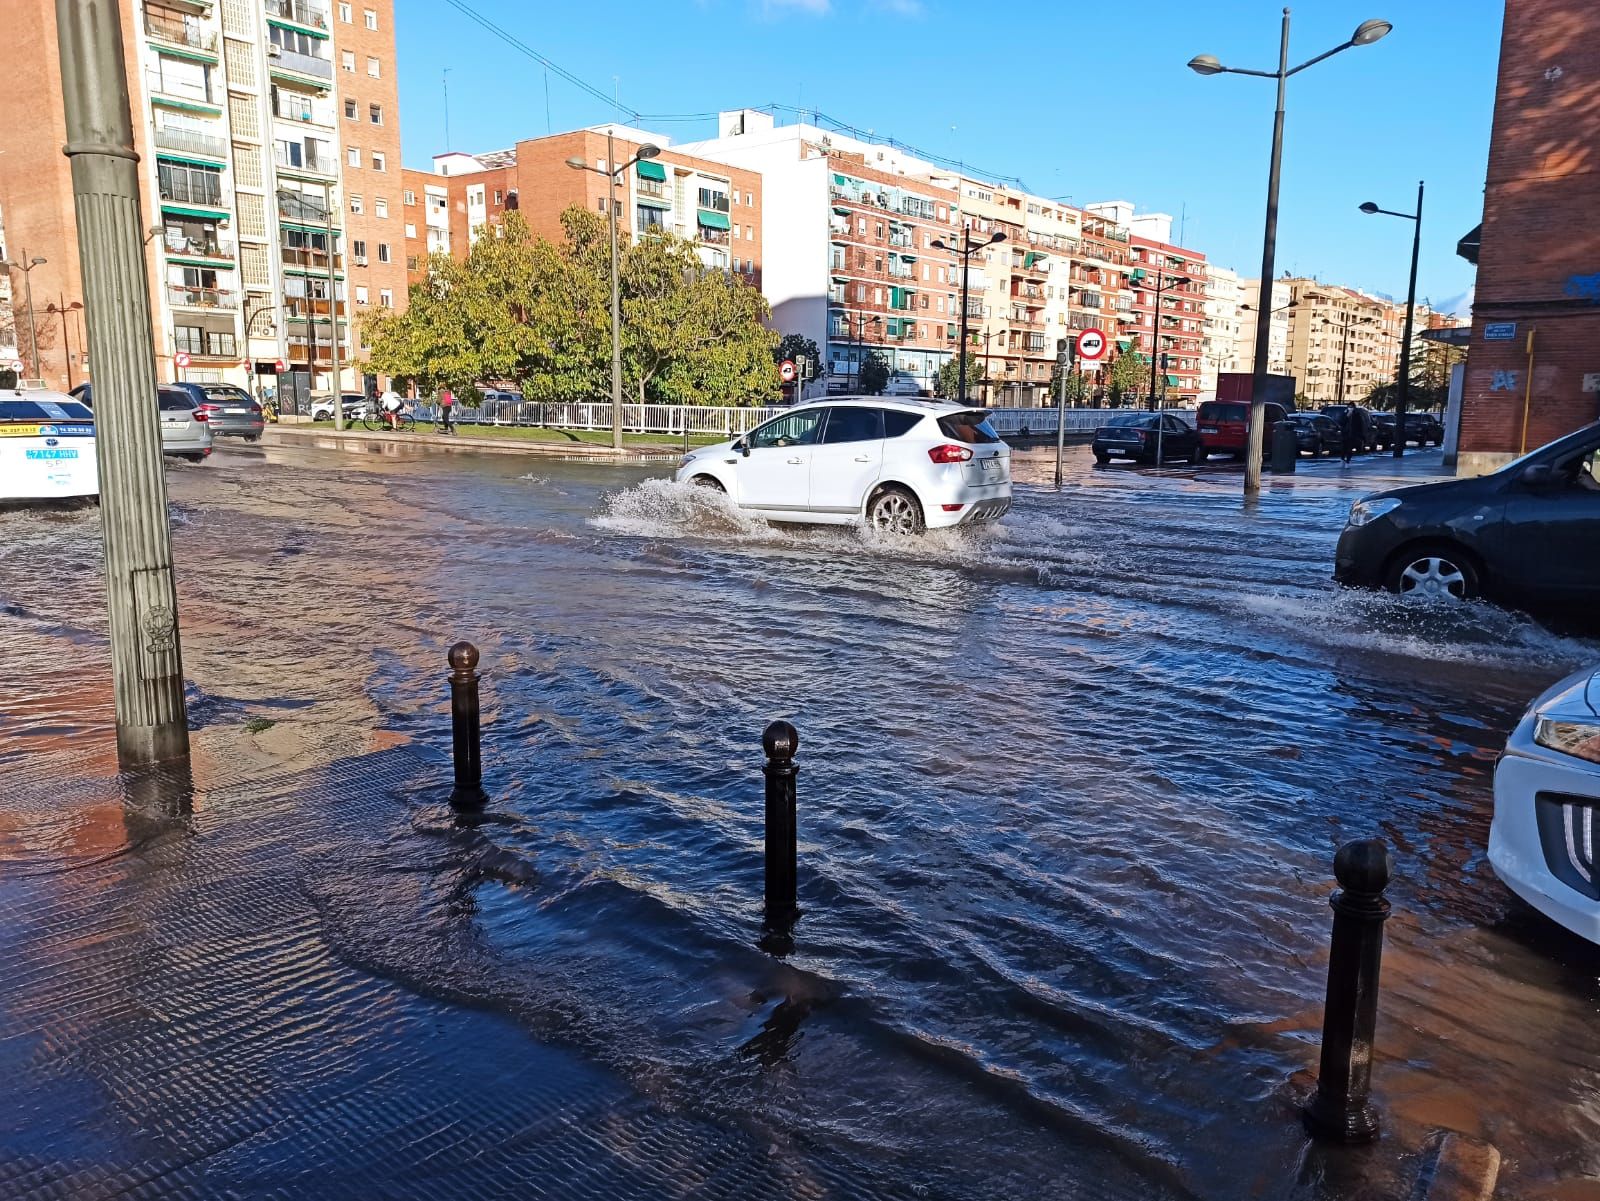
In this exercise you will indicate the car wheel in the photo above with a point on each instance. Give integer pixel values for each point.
(1198, 455)
(1433, 571)
(708, 481)
(895, 511)
(195, 458)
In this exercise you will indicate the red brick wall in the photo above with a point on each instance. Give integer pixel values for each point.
(1540, 261)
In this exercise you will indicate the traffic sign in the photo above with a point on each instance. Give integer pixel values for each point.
(281, 365)
(1499, 331)
(786, 370)
(181, 358)
(1092, 345)
(17, 365)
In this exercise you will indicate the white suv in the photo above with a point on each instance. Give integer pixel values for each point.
(901, 466)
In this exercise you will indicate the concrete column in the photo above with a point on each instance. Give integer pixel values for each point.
(147, 668)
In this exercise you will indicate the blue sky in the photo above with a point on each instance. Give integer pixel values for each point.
(1090, 102)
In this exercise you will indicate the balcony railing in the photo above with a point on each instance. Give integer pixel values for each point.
(180, 89)
(201, 298)
(713, 237)
(190, 141)
(650, 187)
(309, 306)
(714, 201)
(296, 206)
(203, 247)
(293, 60)
(317, 164)
(301, 256)
(193, 189)
(300, 11)
(174, 30)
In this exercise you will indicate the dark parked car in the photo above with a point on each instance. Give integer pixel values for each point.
(1138, 436)
(1366, 424)
(1527, 533)
(1422, 428)
(228, 408)
(1224, 426)
(1316, 434)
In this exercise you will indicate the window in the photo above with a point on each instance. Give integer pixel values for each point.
(378, 160)
(411, 262)
(189, 185)
(371, 15)
(736, 196)
(372, 67)
(355, 202)
(188, 337)
(347, 60)
(350, 110)
(792, 429)
(897, 424)
(383, 252)
(648, 218)
(380, 206)
(749, 233)
(361, 293)
(749, 199)
(853, 425)
(352, 155)
(411, 229)
(344, 13)
(497, 195)
(385, 298)
(375, 113)
(358, 248)
(411, 197)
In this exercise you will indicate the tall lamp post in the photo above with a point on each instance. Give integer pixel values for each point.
(966, 250)
(1207, 64)
(1163, 281)
(858, 323)
(63, 308)
(612, 173)
(26, 266)
(1403, 384)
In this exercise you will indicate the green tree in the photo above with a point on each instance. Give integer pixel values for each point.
(795, 347)
(1077, 385)
(873, 376)
(946, 381)
(1129, 373)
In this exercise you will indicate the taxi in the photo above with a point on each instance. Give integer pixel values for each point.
(47, 447)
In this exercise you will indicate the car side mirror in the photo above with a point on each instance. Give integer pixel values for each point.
(1540, 475)
(742, 447)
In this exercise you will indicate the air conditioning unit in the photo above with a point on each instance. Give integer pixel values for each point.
(361, 260)
(274, 51)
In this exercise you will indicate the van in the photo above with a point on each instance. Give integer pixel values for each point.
(1224, 425)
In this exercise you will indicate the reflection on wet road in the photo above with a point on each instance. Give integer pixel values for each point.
(1070, 788)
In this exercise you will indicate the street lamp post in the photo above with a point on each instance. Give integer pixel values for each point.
(1163, 280)
(1207, 64)
(1403, 384)
(859, 324)
(62, 308)
(966, 250)
(612, 174)
(26, 266)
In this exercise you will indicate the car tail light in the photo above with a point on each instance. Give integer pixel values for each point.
(201, 415)
(949, 453)
(952, 508)
(254, 407)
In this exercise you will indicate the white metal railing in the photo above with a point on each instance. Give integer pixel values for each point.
(1043, 420)
(703, 420)
(173, 137)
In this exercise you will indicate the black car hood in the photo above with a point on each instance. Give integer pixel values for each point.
(1476, 485)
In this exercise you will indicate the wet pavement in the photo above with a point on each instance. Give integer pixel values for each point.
(1070, 788)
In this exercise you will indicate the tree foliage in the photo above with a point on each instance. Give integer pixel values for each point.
(947, 380)
(794, 347)
(1129, 372)
(873, 377)
(1077, 385)
(538, 314)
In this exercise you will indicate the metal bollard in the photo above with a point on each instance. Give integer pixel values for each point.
(1341, 1111)
(465, 740)
(780, 741)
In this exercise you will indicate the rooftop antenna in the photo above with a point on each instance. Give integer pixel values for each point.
(1183, 220)
(446, 77)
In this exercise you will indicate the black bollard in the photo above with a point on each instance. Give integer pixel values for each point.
(780, 741)
(465, 744)
(1341, 1111)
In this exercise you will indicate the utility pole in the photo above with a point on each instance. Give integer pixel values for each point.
(333, 311)
(141, 595)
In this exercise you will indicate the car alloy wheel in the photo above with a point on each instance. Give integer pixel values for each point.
(894, 512)
(1434, 577)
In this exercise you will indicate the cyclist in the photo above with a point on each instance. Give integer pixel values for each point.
(390, 403)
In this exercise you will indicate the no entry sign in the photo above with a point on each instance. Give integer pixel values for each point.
(786, 370)
(1091, 345)
(181, 358)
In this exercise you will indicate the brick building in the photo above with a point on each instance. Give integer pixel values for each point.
(714, 205)
(425, 215)
(1538, 253)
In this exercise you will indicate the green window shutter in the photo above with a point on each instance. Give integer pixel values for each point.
(651, 170)
(896, 298)
(1172, 381)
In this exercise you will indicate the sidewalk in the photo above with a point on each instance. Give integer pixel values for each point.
(327, 438)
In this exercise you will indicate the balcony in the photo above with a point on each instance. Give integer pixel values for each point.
(204, 244)
(190, 141)
(714, 201)
(192, 187)
(180, 296)
(307, 161)
(305, 64)
(165, 25)
(302, 12)
(302, 307)
(712, 237)
(650, 187)
(297, 206)
(297, 106)
(159, 85)
(306, 257)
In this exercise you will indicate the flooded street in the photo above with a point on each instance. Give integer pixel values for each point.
(1070, 790)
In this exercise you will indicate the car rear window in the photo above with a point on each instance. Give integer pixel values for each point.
(1138, 420)
(174, 399)
(970, 426)
(851, 424)
(1215, 411)
(43, 410)
(897, 422)
(227, 392)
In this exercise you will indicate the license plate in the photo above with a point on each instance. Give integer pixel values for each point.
(991, 464)
(233, 410)
(1209, 429)
(172, 425)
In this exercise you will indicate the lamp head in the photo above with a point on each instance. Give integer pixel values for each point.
(1369, 208)
(577, 163)
(998, 237)
(38, 262)
(648, 151)
(1370, 31)
(1208, 64)
(938, 244)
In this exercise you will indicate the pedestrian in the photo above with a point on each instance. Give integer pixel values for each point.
(446, 405)
(1349, 431)
(390, 405)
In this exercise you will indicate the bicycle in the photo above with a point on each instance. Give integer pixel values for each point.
(379, 422)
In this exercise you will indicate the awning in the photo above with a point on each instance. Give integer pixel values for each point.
(1172, 381)
(1032, 257)
(194, 56)
(840, 181)
(296, 26)
(183, 211)
(713, 220)
(655, 202)
(650, 170)
(164, 157)
(1467, 245)
(1124, 343)
(897, 298)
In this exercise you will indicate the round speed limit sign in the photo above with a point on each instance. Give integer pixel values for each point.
(1091, 345)
(786, 370)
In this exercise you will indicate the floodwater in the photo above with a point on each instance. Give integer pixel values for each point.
(1069, 794)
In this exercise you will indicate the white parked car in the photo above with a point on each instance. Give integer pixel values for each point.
(1546, 799)
(901, 466)
(47, 447)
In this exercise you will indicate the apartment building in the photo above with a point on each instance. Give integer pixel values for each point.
(239, 111)
(1227, 340)
(425, 215)
(716, 206)
(1279, 296)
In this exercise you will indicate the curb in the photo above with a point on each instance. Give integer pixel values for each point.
(1458, 1168)
(353, 440)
